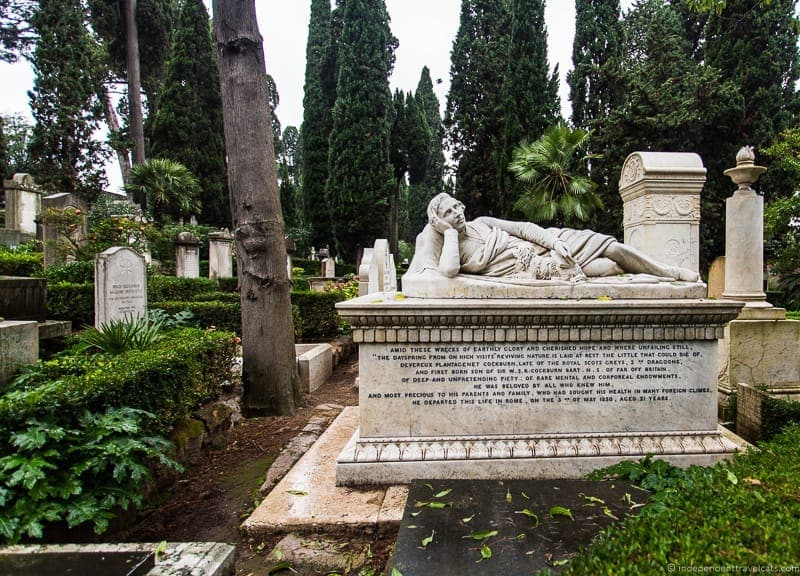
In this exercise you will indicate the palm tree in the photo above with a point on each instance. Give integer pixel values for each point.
(548, 168)
(170, 188)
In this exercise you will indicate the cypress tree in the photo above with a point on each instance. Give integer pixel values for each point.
(473, 116)
(756, 48)
(595, 91)
(64, 102)
(187, 126)
(530, 92)
(359, 172)
(317, 122)
(287, 174)
(420, 193)
(4, 163)
(673, 103)
(597, 46)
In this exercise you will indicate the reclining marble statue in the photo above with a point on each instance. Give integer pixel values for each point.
(505, 251)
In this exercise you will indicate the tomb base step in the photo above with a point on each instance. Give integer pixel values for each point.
(549, 456)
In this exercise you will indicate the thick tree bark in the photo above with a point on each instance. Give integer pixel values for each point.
(136, 118)
(269, 374)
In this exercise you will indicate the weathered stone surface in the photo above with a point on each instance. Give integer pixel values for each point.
(531, 388)
(120, 287)
(19, 346)
(319, 555)
(314, 363)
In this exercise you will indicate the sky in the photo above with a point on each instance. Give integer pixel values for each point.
(423, 41)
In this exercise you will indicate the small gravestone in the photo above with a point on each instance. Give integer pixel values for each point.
(363, 272)
(187, 256)
(120, 288)
(329, 268)
(60, 243)
(220, 254)
(382, 271)
(23, 204)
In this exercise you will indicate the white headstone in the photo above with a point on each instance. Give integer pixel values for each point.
(220, 254)
(187, 256)
(377, 269)
(329, 268)
(120, 287)
(23, 203)
(363, 272)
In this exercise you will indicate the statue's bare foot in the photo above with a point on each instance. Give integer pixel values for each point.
(684, 274)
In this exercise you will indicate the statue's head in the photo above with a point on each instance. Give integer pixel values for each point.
(445, 207)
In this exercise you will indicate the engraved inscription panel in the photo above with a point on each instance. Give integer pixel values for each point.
(418, 390)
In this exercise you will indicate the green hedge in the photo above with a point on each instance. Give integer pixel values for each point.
(74, 272)
(228, 284)
(176, 375)
(319, 319)
(69, 301)
(207, 314)
(172, 288)
(314, 313)
(13, 263)
(777, 414)
(217, 297)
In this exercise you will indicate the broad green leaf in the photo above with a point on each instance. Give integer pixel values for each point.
(481, 535)
(160, 550)
(443, 493)
(486, 552)
(468, 519)
(438, 505)
(298, 492)
(561, 511)
(428, 539)
(732, 478)
(278, 553)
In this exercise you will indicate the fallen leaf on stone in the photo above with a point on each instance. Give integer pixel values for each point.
(561, 511)
(298, 492)
(481, 535)
(428, 539)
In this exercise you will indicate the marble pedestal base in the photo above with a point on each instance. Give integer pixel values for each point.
(531, 388)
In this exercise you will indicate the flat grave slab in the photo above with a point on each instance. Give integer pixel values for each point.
(509, 527)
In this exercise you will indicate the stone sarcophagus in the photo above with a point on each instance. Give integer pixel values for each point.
(532, 387)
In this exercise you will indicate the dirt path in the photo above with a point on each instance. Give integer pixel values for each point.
(213, 496)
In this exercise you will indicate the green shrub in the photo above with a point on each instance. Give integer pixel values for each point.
(74, 302)
(742, 513)
(74, 469)
(318, 313)
(301, 284)
(216, 314)
(183, 369)
(74, 272)
(216, 297)
(118, 336)
(228, 284)
(172, 288)
(20, 261)
(776, 414)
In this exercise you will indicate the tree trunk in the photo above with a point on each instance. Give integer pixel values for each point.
(269, 374)
(122, 151)
(136, 118)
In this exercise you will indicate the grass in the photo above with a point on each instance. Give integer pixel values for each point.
(744, 513)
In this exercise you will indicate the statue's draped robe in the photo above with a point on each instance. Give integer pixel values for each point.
(491, 247)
